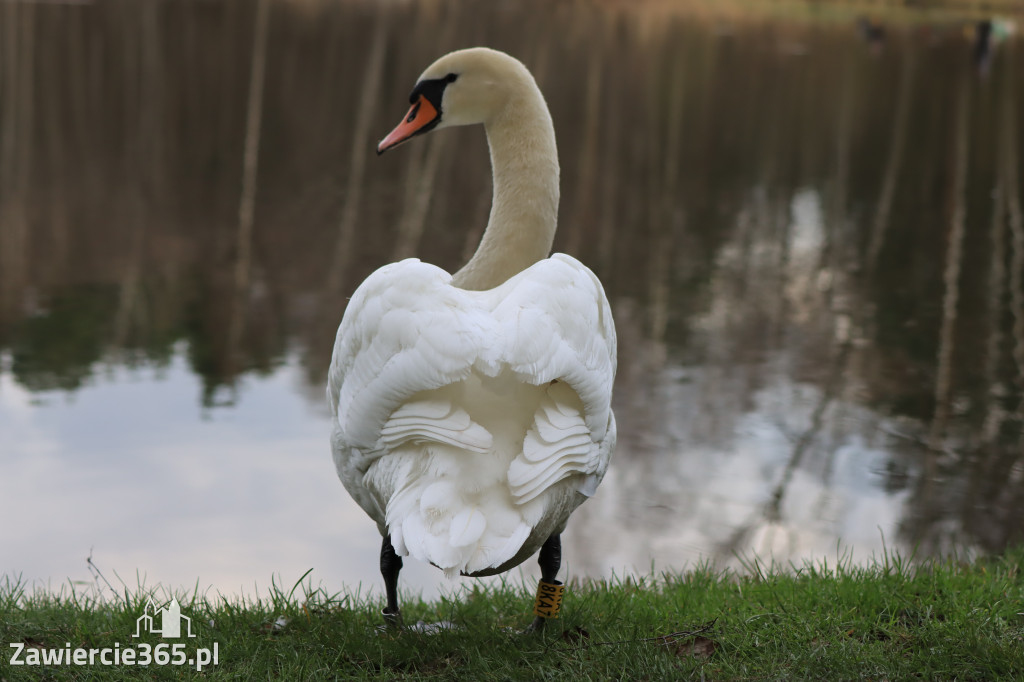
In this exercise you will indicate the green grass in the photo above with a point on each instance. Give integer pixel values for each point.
(894, 620)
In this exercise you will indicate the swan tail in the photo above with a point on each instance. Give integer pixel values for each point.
(445, 490)
(435, 519)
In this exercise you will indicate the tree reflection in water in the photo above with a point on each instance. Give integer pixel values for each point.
(814, 246)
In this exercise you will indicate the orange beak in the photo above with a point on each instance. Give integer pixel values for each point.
(419, 120)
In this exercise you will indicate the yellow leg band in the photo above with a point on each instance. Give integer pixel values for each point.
(549, 599)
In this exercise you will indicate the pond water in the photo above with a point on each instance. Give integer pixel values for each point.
(811, 235)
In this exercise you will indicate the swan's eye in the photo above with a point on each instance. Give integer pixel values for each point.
(450, 78)
(412, 113)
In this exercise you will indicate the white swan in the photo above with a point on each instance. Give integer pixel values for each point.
(472, 412)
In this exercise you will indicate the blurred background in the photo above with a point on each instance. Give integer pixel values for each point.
(807, 219)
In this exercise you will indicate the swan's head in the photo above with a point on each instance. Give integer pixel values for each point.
(461, 88)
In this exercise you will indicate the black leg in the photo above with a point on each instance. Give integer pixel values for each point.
(550, 558)
(550, 561)
(390, 565)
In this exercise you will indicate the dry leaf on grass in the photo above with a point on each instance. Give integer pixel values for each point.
(700, 647)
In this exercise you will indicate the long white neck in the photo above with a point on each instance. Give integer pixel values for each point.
(524, 209)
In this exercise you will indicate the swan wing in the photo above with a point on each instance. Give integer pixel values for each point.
(557, 324)
(558, 331)
(404, 331)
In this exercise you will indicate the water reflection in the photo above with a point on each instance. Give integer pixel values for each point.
(131, 471)
(813, 243)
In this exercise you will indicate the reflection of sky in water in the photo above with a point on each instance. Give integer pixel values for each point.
(134, 470)
(691, 499)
